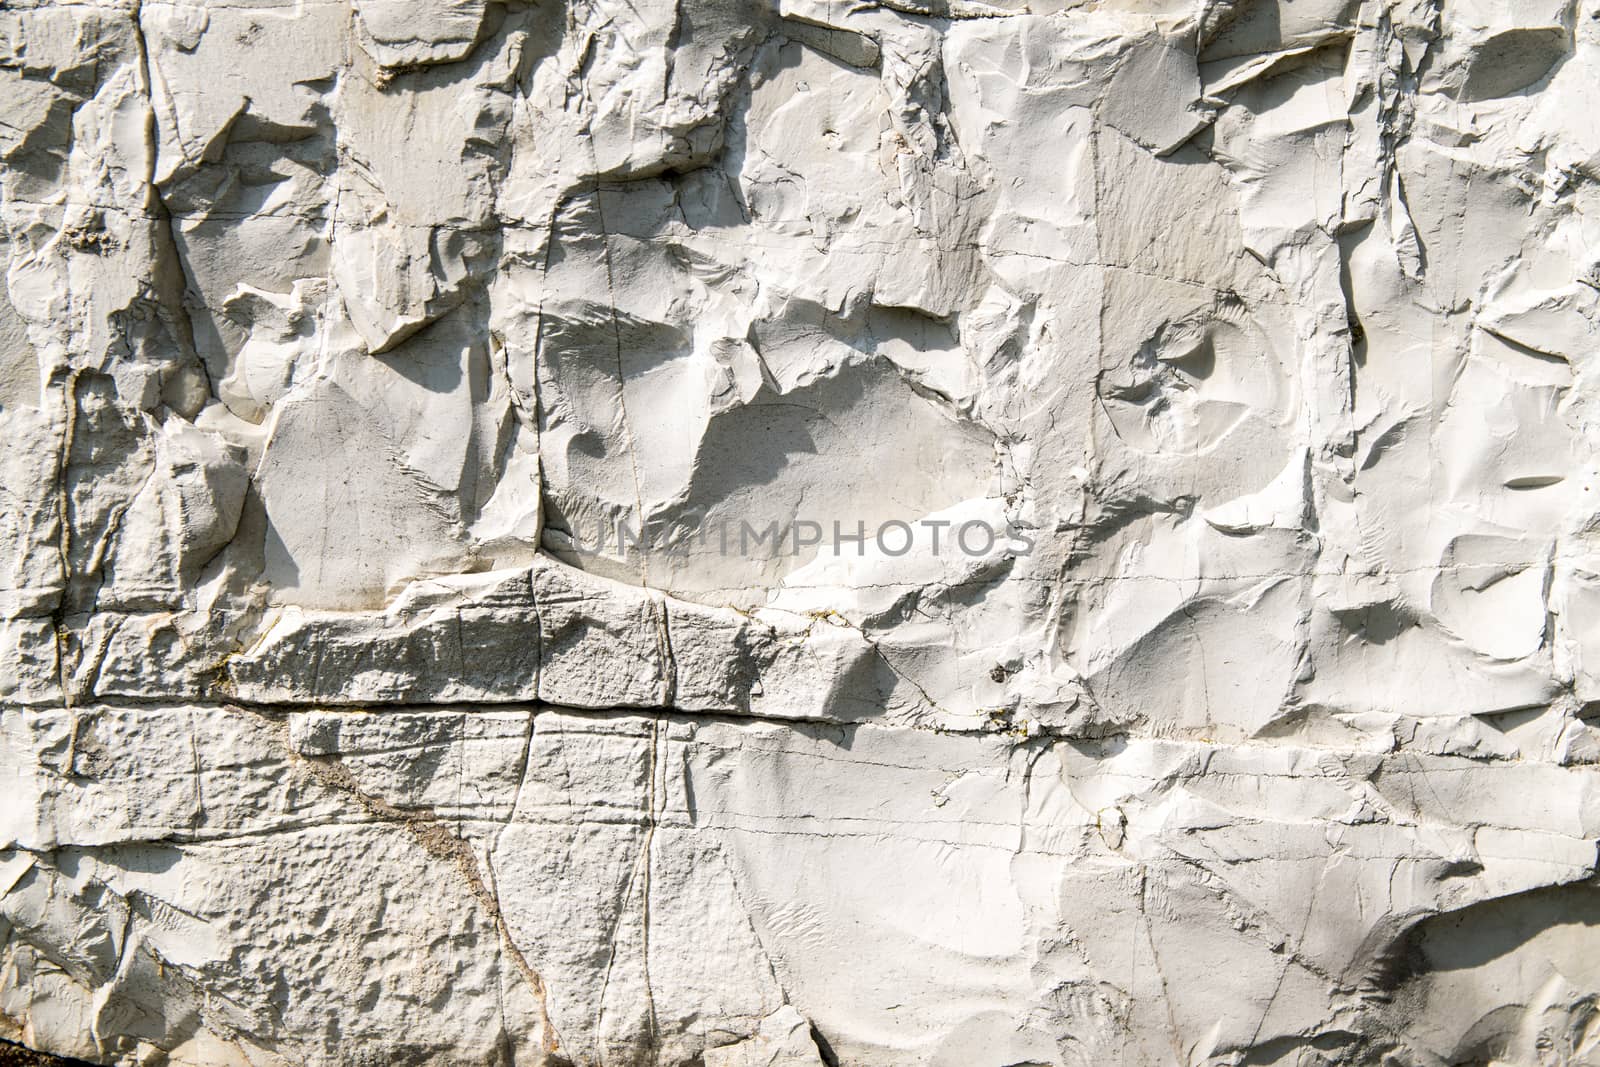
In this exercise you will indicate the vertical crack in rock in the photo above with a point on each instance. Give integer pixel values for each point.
(435, 838)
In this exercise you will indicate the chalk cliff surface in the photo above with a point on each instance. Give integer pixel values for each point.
(388, 390)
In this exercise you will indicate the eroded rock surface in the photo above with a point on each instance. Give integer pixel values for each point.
(771, 532)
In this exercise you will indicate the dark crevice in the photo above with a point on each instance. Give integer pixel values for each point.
(824, 1050)
(15, 1055)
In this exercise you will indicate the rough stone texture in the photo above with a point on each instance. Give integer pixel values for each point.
(335, 333)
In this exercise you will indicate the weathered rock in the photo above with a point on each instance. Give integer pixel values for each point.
(749, 534)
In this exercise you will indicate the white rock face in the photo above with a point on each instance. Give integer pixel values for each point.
(746, 533)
